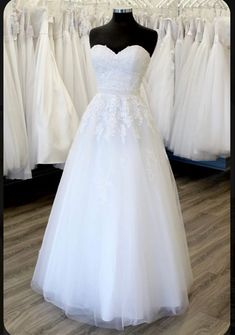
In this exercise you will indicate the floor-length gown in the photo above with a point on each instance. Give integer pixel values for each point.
(54, 119)
(58, 42)
(16, 151)
(21, 47)
(81, 56)
(68, 55)
(114, 251)
(178, 50)
(29, 82)
(84, 30)
(213, 130)
(80, 97)
(188, 40)
(161, 92)
(187, 117)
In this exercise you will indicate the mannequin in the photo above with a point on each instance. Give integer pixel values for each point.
(123, 31)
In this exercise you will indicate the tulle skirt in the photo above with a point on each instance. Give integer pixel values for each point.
(114, 251)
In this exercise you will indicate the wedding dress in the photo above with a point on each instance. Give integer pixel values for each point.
(80, 97)
(213, 129)
(54, 119)
(16, 150)
(178, 50)
(161, 92)
(114, 251)
(188, 41)
(84, 30)
(58, 42)
(183, 136)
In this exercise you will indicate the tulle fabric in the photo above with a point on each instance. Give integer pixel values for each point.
(213, 131)
(178, 51)
(187, 104)
(114, 251)
(188, 40)
(161, 92)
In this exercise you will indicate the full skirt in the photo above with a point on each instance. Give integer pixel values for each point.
(115, 252)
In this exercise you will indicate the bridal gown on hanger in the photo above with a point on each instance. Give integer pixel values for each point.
(16, 150)
(178, 50)
(183, 136)
(68, 55)
(213, 133)
(161, 92)
(80, 97)
(114, 251)
(85, 26)
(188, 40)
(54, 119)
(58, 42)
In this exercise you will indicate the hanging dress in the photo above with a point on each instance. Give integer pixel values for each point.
(181, 86)
(188, 41)
(213, 134)
(58, 42)
(16, 151)
(68, 55)
(80, 98)
(187, 116)
(85, 26)
(178, 50)
(81, 54)
(54, 120)
(161, 84)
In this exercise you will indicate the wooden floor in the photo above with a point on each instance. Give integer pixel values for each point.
(205, 201)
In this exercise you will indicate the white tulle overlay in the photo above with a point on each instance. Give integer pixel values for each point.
(213, 129)
(161, 92)
(115, 252)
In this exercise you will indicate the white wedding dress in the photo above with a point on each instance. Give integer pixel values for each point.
(114, 251)
(161, 92)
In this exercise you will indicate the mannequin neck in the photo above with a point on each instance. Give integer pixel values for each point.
(123, 18)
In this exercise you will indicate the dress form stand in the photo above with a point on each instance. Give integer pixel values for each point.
(123, 31)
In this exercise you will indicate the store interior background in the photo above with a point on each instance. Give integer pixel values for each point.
(204, 191)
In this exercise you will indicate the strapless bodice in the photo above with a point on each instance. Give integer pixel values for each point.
(122, 72)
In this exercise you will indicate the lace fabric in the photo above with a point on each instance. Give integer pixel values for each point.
(122, 72)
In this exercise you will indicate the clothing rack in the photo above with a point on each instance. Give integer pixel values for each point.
(158, 6)
(222, 164)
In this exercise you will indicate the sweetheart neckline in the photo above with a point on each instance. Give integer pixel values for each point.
(119, 52)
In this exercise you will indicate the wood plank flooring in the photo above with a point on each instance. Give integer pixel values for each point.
(205, 201)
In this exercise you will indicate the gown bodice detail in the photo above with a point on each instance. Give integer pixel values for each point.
(122, 72)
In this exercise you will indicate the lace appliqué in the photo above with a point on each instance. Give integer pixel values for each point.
(113, 115)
